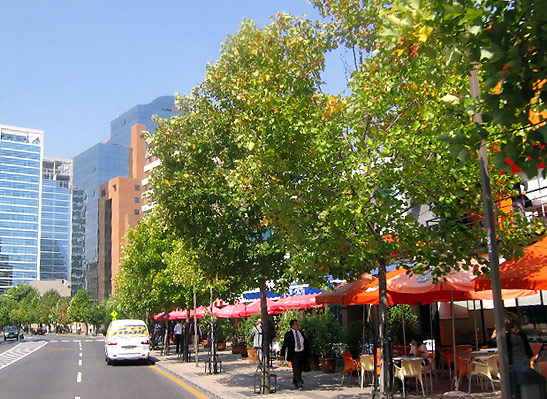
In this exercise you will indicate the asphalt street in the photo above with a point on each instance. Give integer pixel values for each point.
(72, 367)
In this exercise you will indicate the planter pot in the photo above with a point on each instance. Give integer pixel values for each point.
(314, 364)
(238, 348)
(221, 346)
(244, 352)
(328, 365)
(253, 355)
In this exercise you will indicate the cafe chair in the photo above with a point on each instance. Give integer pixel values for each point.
(367, 367)
(350, 365)
(462, 355)
(486, 369)
(410, 368)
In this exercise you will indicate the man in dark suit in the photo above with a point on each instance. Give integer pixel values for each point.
(298, 351)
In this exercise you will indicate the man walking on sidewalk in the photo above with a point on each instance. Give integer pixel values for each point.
(256, 337)
(178, 337)
(298, 351)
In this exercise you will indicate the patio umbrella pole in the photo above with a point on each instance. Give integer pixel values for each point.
(196, 342)
(454, 340)
(476, 328)
(404, 330)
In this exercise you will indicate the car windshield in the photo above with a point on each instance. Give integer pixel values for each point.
(11, 329)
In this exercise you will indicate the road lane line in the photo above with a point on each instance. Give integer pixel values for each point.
(80, 354)
(80, 362)
(79, 377)
(192, 391)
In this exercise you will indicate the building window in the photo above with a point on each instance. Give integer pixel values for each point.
(103, 193)
(137, 212)
(137, 187)
(137, 200)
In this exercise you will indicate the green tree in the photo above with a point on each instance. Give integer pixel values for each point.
(48, 307)
(82, 308)
(197, 189)
(19, 305)
(61, 312)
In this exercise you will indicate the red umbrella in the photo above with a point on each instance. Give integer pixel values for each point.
(236, 310)
(254, 307)
(181, 314)
(307, 301)
(159, 316)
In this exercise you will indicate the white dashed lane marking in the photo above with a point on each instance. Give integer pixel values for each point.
(79, 377)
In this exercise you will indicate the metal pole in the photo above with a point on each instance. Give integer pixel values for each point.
(456, 379)
(196, 343)
(499, 311)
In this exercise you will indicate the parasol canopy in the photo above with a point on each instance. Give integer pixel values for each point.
(528, 272)
(307, 301)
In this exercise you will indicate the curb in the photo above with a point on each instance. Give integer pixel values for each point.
(200, 388)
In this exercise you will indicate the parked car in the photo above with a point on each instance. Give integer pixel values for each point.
(127, 340)
(40, 331)
(11, 332)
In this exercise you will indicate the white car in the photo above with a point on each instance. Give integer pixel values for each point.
(127, 340)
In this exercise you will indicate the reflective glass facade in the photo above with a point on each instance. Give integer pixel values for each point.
(78, 266)
(93, 167)
(120, 128)
(20, 188)
(55, 234)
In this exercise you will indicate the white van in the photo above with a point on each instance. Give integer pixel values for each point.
(127, 340)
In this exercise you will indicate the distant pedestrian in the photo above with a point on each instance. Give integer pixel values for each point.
(256, 337)
(178, 336)
(296, 345)
(419, 349)
(518, 348)
(520, 200)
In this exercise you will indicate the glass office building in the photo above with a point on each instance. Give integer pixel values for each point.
(55, 235)
(20, 188)
(78, 261)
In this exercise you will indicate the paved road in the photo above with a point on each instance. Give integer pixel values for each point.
(62, 367)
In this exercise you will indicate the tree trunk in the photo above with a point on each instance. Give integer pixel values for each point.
(385, 372)
(265, 358)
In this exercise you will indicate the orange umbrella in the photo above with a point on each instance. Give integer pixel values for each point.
(339, 292)
(527, 273)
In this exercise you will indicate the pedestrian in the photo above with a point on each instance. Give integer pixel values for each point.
(256, 338)
(519, 198)
(298, 351)
(178, 336)
(518, 347)
(419, 349)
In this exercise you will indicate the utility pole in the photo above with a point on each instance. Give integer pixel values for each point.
(499, 311)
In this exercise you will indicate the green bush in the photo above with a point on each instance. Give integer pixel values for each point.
(323, 331)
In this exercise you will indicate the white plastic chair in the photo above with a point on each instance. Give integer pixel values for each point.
(410, 368)
(486, 369)
(367, 367)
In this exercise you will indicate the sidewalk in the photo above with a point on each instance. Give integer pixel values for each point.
(236, 381)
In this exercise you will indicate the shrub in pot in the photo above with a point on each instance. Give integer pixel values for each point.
(324, 332)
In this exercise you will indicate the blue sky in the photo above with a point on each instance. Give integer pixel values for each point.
(70, 67)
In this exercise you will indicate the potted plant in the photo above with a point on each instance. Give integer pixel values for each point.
(324, 333)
